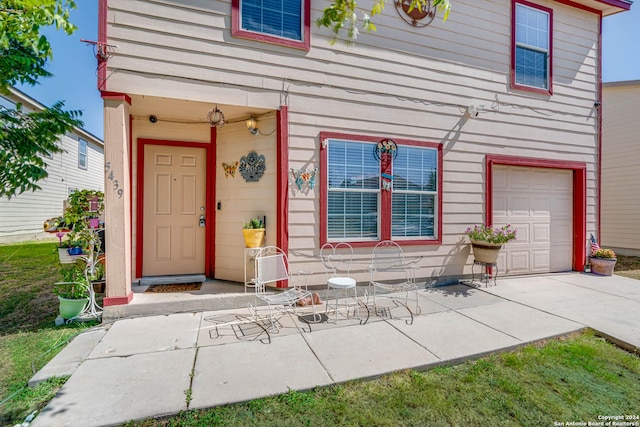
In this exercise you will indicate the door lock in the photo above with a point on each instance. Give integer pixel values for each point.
(202, 222)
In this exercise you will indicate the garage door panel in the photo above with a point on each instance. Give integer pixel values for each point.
(539, 204)
(562, 179)
(562, 259)
(540, 260)
(499, 179)
(518, 205)
(540, 207)
(562, 207)
(500, 205)
(518, 178)
(540, 180)
(518, 262)
(562, 233)
(541, 234)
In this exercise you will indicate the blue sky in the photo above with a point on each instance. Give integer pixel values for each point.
(74, 66)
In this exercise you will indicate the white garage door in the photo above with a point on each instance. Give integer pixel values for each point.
(539, 204)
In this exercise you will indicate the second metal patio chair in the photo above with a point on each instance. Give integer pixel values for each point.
(393, 276)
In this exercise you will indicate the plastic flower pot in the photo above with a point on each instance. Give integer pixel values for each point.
(70, 308)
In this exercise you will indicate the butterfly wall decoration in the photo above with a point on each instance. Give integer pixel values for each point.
(230, 169)
(304, 177)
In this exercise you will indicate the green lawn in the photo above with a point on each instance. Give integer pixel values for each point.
(28, 336)
(574, 379)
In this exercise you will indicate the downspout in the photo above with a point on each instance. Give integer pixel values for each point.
(102, 42)
(599, 135)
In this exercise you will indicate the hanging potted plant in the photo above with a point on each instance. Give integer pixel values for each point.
(487, 241)
(253, 232)
(603, 261)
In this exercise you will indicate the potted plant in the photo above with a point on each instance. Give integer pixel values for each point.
(487, 241)
(83, 211)
(72, 292)
(603, 261)
(253, 232)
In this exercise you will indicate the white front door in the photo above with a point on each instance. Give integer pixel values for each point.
(174, 201)
(538, 202)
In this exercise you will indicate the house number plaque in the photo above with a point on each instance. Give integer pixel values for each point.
(252, 166)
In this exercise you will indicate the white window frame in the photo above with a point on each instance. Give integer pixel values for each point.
(83, 154)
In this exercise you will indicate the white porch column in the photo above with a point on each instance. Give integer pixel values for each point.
(117, 195)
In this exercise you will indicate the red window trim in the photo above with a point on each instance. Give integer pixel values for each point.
(579, 196)
(304, 44)
(514, 85)
(385, 216)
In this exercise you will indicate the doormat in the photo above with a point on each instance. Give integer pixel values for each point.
(175, 287)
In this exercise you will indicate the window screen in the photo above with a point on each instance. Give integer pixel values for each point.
(281, 18)
(532, 47)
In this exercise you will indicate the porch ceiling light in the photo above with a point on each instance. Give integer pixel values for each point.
(252, 125)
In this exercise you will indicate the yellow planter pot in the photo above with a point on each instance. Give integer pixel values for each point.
(253, 237)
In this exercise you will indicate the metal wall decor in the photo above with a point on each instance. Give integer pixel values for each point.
(417, 17)
(252, 166)
(385, 151)
(215, 117)
(305, 178)
(385, 146)
(230, 169)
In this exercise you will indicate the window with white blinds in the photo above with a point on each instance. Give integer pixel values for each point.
(280, 18)
(532, 46)
(415, 174)
(354, 193)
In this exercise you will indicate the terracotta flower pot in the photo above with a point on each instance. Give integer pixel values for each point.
(603, 266)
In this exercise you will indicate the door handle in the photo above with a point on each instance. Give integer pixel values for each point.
(202, 221)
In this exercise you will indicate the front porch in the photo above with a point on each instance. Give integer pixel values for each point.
(173, 206)
(213, 295)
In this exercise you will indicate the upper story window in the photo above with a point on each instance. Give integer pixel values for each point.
(368, 198)
(82, 154)
(284, 22)
(531, 47)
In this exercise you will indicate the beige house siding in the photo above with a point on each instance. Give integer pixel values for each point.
(402, 82)
(621, 166)
(22, 217)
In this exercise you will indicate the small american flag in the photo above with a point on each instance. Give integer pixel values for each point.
(594, 245)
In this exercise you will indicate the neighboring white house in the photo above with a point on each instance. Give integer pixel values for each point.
(620, 225)
(495, 114)
(80, 166)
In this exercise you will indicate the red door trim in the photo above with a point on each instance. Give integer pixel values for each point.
(142, 142)
(579, 196)
(210, 245)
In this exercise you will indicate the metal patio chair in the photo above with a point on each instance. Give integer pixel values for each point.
(336, 259)
(272, 266)
(392, 276)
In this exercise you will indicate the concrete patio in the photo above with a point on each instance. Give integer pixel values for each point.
(145, 367)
